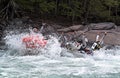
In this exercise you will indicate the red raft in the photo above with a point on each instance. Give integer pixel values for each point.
(34, 41)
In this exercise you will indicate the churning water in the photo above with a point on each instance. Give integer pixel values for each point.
(49, 64)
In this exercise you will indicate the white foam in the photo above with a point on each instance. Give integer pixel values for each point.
(14, 44)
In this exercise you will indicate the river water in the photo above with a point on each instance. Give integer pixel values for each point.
(49, 63)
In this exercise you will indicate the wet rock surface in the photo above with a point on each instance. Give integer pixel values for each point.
(112, 37)
(102, 26)
(71, 32)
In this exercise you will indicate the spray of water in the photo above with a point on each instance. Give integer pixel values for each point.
(16, 47)
(52, 49)
(103, 64)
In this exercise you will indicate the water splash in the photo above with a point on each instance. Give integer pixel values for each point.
(16, 47)
(103, 64)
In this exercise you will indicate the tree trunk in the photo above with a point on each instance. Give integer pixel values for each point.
(71, 5)
(36, 7)
(86, 11)
(73, 17)
(109, 11)
(57, 7)
(116, 11)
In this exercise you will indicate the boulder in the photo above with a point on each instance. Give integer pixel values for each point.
(112, 37)
(71, 28)
(102, 26)
(47, 30)
(118, 29)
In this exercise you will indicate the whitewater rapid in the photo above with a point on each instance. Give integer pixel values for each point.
(49, 63)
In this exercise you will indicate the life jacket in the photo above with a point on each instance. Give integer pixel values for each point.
(34, 41)
(96, 46)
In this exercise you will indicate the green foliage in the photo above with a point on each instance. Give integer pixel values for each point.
(107, 10)
(111, 3)
(8, 9)
(25, 4)
(97, 9)
(46, 7)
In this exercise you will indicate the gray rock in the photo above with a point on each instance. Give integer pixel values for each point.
(71, 28)
(102, 26)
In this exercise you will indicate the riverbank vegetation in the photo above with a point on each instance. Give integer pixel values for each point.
(82, 11)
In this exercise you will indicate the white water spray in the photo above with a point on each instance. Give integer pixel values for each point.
(103, 64)
(16, 46)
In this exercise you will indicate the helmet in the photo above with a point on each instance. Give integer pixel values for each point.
(105, 33)
(35, 29)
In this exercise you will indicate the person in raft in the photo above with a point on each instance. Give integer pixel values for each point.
(83, 42)
(82, 45)
(34, 41)
(99, 41)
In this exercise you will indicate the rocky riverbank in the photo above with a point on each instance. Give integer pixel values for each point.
(73, 32)
(91, 30)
